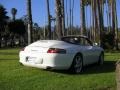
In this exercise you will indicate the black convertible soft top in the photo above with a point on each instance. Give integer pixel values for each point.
(75, 39)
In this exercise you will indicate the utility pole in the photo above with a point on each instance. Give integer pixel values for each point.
(49, 19)
(58, 18)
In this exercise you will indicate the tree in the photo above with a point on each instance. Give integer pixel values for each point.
(114, 23)
(49, 19)
(24, 18)
(82, 17)
(109, 14)
(17, 27)
(63, 17)
(59, 19)
(29, 13)
(13, 12)
(3, 21)
(100, 19)
(70, 17)
(36, 30)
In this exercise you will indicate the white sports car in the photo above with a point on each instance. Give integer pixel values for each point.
(71, 52)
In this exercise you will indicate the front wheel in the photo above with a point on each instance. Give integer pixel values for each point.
(77, 64)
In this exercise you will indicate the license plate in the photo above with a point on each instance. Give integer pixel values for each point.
(30, 59)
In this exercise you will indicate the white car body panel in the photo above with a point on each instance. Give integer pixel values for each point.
(35, 55)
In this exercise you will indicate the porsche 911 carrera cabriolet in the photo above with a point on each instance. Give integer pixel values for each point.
(69, 53)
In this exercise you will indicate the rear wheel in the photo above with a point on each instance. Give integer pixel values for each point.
(101, 59)
(77, 64)
(20, 63)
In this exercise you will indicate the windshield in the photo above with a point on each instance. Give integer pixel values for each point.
(73, 40)
(77, 40)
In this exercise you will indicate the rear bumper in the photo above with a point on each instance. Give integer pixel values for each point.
(46, 61)
(42, 66)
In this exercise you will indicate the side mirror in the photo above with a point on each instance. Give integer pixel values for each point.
(95, 44)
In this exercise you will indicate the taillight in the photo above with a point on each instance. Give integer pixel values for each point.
(22, 49)
(56, 50)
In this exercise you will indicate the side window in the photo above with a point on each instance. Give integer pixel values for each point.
(85, 42)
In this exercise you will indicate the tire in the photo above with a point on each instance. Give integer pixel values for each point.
(20, 63)
(77, 64)
(101, 59)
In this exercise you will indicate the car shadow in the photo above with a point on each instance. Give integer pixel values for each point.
(107, 67)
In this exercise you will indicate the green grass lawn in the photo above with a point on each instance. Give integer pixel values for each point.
(13, 76)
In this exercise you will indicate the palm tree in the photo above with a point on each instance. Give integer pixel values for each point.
(100, 19)
(114, 23)
(58, 19)
(116, 27)
(29, 13)
(67, 20)
(63, 17)
(109, 14)
(82, 17)
(70, 11)
(13, 12)
(96, 26)
(92, 21)
(72, 14)
(49, 19)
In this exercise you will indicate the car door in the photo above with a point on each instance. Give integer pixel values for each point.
(88, 51)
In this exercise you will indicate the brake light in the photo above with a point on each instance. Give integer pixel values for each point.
(56, 50)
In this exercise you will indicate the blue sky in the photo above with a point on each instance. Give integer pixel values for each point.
(39, 10)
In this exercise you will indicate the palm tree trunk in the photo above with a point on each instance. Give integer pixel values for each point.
(49, 19)
(13, 17)
(91, 29)
(82, 17)
(101, 25)
(58, 19)
(70, 24)
(116, 25)
(63, 17)
(113, 20)
(96, 20)
(109, 11)
(72, 16)
(13, 12)
(93, 20)
(29, 13)
(67, 22)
